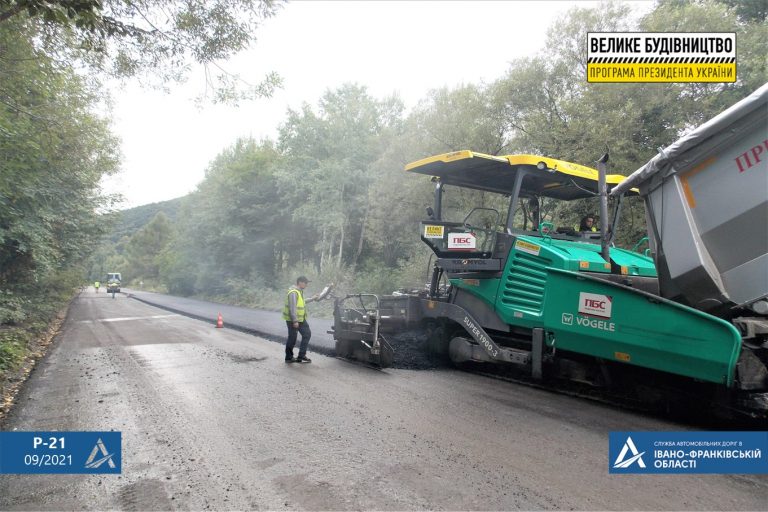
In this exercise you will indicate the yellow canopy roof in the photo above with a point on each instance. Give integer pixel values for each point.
(547, 176)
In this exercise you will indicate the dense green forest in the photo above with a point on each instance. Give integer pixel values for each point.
(328, 198)
(56, 143)
(127, 222)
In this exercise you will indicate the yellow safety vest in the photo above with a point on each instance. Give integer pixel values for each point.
(301, 312)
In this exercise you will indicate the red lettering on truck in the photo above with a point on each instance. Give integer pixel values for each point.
(743, 162)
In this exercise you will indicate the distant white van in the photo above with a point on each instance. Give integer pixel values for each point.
(114, 276)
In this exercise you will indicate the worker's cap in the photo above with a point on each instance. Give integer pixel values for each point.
(303, 279)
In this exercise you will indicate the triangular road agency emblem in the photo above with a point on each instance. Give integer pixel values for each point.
(93, 462)
(621, 462)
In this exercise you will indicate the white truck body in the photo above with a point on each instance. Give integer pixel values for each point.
(706, 198)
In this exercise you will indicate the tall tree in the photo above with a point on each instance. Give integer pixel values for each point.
(460, 118)
(552, 110)
(151, 38)
(326, 172)
(146, 246)
(229, 228)
(55, 151)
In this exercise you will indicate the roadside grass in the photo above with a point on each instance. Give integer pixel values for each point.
(13, 342)
(29, 319)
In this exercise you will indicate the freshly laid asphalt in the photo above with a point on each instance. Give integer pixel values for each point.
(269, 324)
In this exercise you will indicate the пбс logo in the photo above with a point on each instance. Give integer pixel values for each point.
(629, 446)
(457, 241)
(595, 305)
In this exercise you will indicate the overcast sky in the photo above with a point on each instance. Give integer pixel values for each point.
(406, 47)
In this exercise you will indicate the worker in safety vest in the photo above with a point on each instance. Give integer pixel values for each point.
(588, 224)
(96, 285)
(295, 316)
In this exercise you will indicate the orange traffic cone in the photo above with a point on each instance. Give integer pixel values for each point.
(219, 322)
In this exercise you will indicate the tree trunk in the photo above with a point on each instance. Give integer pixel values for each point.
(360, 241)
(341, 245)
(341, 242)
(277, 261)
(322, 251)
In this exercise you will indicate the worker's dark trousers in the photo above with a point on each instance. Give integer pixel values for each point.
(306, 333)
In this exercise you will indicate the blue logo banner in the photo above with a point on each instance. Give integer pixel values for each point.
(688, 452)
(60, 452)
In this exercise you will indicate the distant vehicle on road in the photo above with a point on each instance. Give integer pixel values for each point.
(114, 279)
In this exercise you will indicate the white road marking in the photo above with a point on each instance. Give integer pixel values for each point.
(126, 318)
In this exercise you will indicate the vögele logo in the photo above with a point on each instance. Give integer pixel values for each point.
(622, 461)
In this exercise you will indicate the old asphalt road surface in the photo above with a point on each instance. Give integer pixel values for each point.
(214, 419)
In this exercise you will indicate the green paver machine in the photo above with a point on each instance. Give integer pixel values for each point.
(559, 303)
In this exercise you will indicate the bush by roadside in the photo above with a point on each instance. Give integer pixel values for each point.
(29, 319)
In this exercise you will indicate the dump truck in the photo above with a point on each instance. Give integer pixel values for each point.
(687, 314)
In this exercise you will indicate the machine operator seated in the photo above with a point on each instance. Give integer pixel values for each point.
(587, 228)
(588, 225)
